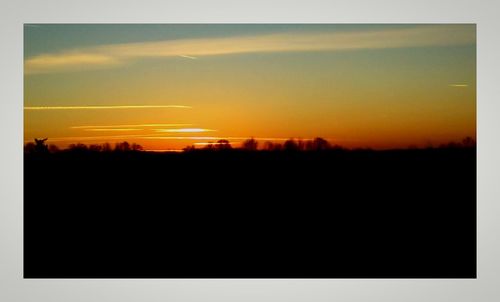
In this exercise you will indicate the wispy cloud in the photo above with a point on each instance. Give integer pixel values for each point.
(69, 61)
(112, 129)
(103, 107)
(129, 125)
(104, 138)
(112, 55)
(152, 137)
(185, 130)
(459, 85)
(188, 57)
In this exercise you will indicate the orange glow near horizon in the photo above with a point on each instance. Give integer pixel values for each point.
(136, 125)
(185, 130)
(112, 129)
(376, 86)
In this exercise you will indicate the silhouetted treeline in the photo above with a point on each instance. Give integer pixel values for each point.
(296, 209)
(251, 144)
(39, 146)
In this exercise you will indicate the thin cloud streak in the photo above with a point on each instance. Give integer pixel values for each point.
(112, 129)
(104, 107)
(132, 125)
(188, 57)
(163, 137)
(459, 85)
(102, 138)
(118, 54)
(150, 137)
(124, 136)
(185, 130)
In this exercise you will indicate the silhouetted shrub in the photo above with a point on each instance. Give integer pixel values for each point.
(40, 146)
(136, 147)
(223, 145)
(95, 148)
(469, 142)
(301, 145)
(290, 145)
(317, 144)
(250, 144)
(189, 148)
(209, 146)
(53, 148)
(30, 148)
(106, 147)
(271, 146)
(78, 147)
(122, 147)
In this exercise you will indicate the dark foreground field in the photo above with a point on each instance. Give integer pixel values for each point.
(335, 214)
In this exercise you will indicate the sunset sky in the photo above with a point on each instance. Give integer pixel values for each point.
(169, 86)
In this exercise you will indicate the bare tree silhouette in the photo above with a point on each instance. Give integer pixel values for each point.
(270, 146)
(189, 148)
(78, 147)
(30, 148)
(95, 148)
(136, 147)
(317, 144)
(106, 147)
(209, 146)
(250, 144)
(223, 144)
(122, 147)
(469, 142)
(40, 146)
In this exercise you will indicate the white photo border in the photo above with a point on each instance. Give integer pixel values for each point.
(14, 13)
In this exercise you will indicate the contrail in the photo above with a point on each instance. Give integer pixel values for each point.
(132, 125)
(188, 57)
(103, 107)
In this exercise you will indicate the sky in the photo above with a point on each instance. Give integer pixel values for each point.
(169, 86)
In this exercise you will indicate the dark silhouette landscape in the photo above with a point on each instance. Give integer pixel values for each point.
(302, 209)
